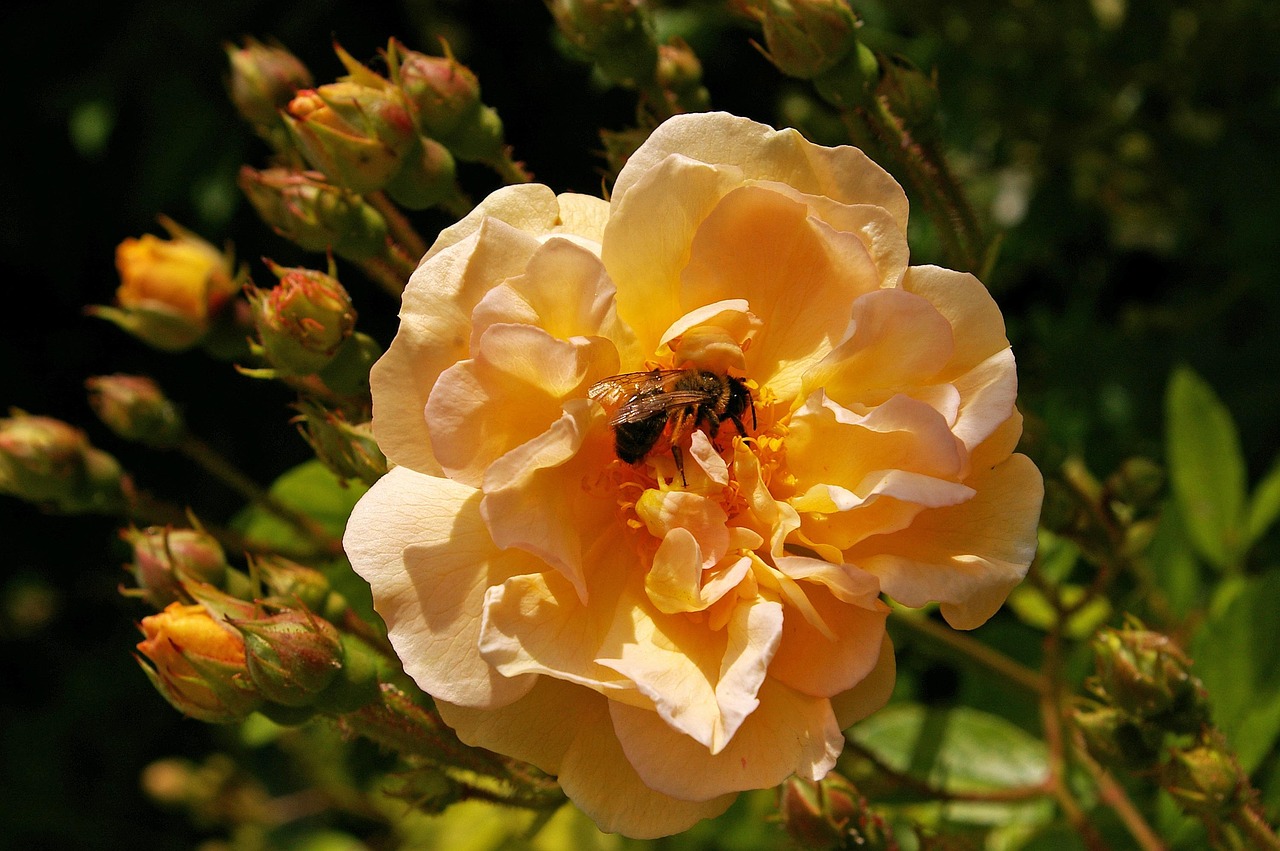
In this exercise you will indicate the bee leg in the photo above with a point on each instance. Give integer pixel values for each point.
(678, 456)
(713, 429)
(737, 422)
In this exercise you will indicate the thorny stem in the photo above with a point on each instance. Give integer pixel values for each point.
(1256, 828)
(221, 469)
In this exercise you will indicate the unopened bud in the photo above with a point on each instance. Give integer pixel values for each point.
(1205, 781)
(135, 408)
(1138, 483)
(197, 664)
(911, 95)
(427, 179)
(264, 78)
(806, 38)
(441, 92)
(347, 449)
(49, 462)
(357, 135)
(830, 813)
(679, 74)
(170, 290)
(1117, 740)
(289, 581)
(292, 656)
(851, 81)
(165, 558)
(303, 320)
(314, 214)
(348, 373)
(615, 35)
(1145, 674)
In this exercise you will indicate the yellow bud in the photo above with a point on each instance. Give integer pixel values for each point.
(197, 664)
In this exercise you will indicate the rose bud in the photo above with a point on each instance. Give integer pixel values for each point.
(303, 320)
(1205, 781)
(134, 407)
(288, 580)
(263, 79)
(428, 179)
(51, 463)
(1116, 739)
(169, 289)
(680, 73)
(197, 664)
(164, 558)
(313, 214)
(347, 449)
(806, 38)
(1145, 674)
(615, 35)
(292, 656)
(440, 91)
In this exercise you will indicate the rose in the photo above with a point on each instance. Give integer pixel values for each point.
(662, 641)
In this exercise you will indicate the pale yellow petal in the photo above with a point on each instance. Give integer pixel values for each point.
(529, 207)
(976, 324)
(420, 544)
(968, 556)
(788, 733)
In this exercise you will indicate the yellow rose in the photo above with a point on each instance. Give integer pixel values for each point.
(169, 288)
(197, 663)
(662, 635)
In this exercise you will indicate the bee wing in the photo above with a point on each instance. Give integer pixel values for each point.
(645, 405)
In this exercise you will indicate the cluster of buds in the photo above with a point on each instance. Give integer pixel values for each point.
(1115, 515)
(1150, 716)
(831, 814)
(52, 464)
(220, 649)
(172, 291)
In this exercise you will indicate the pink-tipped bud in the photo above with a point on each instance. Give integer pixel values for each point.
(303, 320)
(170, 290)
(263, 79)
(165, 558)
(347, 449)
(314, 214)
(427, 178)
(441, 92)
(830, 813)
(51, 463)
(197, 664)
(135, 408)
(806, 38)
(292, 656)
(679, 74)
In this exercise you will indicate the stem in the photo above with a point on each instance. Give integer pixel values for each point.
(510, 170)
(972, 650)
(383, 273)
(1250, 821)
(402, 231)
(221, 469)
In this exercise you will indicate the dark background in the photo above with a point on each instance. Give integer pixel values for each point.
(1147, 146)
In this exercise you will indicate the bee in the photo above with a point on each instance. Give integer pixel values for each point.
(683, 398)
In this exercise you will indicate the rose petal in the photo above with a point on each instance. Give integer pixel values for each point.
(420, 543)
(532, 208)
(872, 693)
(789, 733)
(976, 324)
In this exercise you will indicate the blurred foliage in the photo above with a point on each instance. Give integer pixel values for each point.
(1123, 149)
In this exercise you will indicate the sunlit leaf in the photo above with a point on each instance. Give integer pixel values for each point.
(1206, 468)
(1238, 659)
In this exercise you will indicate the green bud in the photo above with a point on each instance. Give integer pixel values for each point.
(292, 656)
(263, 79)
(303, 320)
(441, 92)
(357, 135)
(347, 449)
(830, 813)
(615, 35)
(911, 95)
(1205, 781)
(356, 684)
(315, 215)
(1138, 483)
(348, 373)
(850, 82)
(135, 408)
(427, 179)
(1117, 740)
(807, 38)
(1146, 675)
(289, 581)
(679, 74)
(165, 558)
(51, 463)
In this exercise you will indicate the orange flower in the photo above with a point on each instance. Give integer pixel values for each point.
(701, 618)
(197, 664)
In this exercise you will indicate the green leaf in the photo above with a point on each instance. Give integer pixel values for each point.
(1264, 507)
(311, 489)
(1173, 566)
(1206, 468)
(961, 750)
(1238, 660)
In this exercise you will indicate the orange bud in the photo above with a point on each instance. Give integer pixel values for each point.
(197, 664)
(356, 134)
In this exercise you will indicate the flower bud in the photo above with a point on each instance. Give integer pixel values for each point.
(169, 289)
(292, 656)
(679, 73)
(264, 78)
(1205, 780)
(829, 814)
(806, 38)
(303, 320)
(165, 558)
(1117, 740)
(850, 82)
(911, 95)
(615, 35)
(1138, 483)
(51, 463)
(355, 133)
(313, 214)
(441, 92)
(197, 664)
(427, 179)
(1146, 675)
(347, 449)
(135, 408)
(287, 580)
(348, 373)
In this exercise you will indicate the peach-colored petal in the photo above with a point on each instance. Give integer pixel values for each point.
(532, 208)
(793, 269)
(789, 733)
(967, 556)
(757, 152)
(435, 333)
(701, 516)
(517, 367)
(871, 693)
(987, 394)
(419, 542)
(976, 324)
(534, 496)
